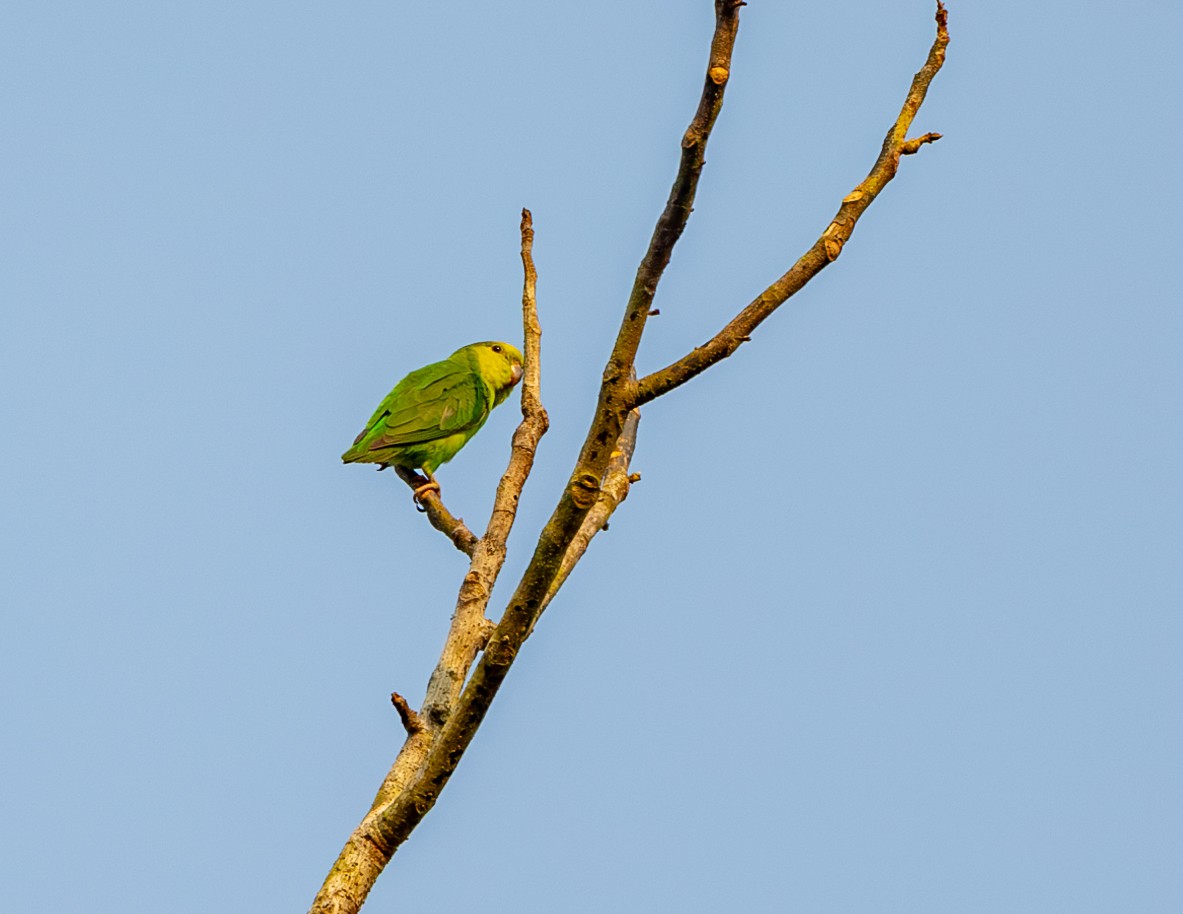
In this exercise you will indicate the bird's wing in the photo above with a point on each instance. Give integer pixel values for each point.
(434, 402)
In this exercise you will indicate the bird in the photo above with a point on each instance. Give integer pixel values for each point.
(434, 411)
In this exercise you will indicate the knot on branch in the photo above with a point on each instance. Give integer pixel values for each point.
(718, 75)
(473, 586)
(585, 488)
(911, 147)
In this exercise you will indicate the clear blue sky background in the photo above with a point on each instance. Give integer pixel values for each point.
(892, 623)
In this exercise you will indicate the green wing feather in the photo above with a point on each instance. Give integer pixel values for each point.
(445, 402)
(431, 403)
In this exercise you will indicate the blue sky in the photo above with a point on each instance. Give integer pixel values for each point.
(891, 623)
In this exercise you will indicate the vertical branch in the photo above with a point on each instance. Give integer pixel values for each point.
(532, 330)
(470, 628)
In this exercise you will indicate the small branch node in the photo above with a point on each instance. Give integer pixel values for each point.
(410, 718)
(911, 147)
(488, 626)
(427, 500)
(718, 75)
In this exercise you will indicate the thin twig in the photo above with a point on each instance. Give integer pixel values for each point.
(412, 722)
(824, 251)
(438, 515)
(911, 147)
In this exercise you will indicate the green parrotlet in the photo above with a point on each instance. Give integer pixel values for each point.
(433, 411)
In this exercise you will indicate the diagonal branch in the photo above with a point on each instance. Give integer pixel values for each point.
(377, 837)
(584, 486)
(407, 801)
(613, 491)
(824, 251)
(470, 628)
(680, 204)
(605, 441)
(439, 516)
(438, 736)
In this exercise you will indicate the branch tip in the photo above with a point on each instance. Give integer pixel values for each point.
(825, 250)
(911, 147)
(412, 722)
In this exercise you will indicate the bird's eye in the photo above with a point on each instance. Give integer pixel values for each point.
(496, 348)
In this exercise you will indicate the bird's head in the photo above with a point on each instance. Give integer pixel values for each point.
(498, 363)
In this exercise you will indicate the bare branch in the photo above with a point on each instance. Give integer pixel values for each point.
(439, 516)
(457, 719)
(440, 758)
(676, 214)
(387, 824)
(470, 629)
(824, 251)
(532, 330)
(583, 487)
(617, 482)
(455, 705)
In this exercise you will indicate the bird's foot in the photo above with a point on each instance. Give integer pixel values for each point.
(422, 490)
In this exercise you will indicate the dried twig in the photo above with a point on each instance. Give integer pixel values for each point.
(439, 516)
(412, 722)
(824, 251)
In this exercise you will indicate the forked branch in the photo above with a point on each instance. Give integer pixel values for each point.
(385, 826)
(824, 251)
(454, 706)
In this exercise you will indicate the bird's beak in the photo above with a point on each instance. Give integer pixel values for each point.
(515, 374)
